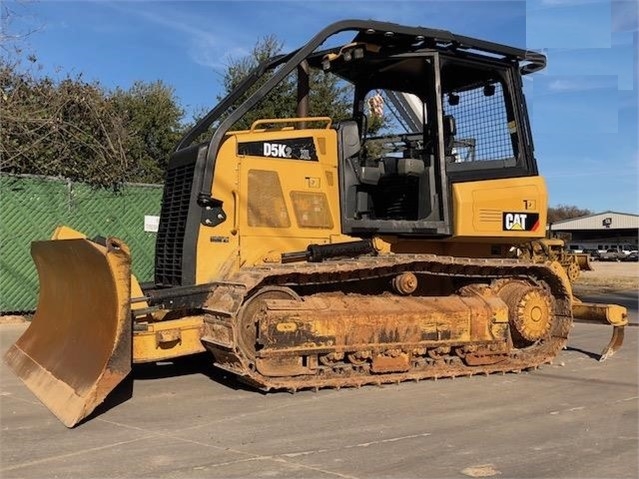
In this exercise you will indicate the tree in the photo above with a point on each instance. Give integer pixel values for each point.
(78, 130)
(328, 95)
(66, 128)
(564, 212)
(152, 118)
(12, 32)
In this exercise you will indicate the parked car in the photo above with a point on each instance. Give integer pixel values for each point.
(594, 254)
(633, 256)
(611, 255)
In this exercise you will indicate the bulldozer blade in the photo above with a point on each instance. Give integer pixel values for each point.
(583, 261)
(78, 346)
(612, 314)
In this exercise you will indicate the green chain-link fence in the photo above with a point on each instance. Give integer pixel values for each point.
(31, 208)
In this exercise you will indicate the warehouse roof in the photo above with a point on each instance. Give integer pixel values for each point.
(608, 220)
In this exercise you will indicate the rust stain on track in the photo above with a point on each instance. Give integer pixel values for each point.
(319, 361)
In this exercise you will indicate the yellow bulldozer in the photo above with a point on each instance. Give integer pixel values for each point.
(307, 252)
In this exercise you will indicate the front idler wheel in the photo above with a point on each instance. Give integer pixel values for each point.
(250, 313)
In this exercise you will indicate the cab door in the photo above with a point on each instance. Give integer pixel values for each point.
(288, 193)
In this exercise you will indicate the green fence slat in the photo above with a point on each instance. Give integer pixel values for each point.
(30, 209)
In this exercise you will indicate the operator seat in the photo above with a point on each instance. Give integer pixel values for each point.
(348, 138)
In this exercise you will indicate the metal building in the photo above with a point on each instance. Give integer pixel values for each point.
(600, 231)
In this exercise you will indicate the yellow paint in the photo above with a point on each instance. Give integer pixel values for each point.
(168, 339)
(303, 192)
(286, 327)
(478, 207)
(500, 311)
(64, 232)
(288, 121)
(82, 318)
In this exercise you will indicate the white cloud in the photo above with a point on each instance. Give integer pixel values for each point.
(564, 85)
(581, 83)
(203, 47)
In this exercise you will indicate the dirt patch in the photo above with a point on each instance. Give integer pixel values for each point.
(614, 269)
(610, 276)
(12, 319)
(485, 470)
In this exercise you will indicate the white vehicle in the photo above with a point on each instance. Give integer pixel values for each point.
(599, 247)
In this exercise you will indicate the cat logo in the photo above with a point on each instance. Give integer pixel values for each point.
(520, 221)
(515, 222)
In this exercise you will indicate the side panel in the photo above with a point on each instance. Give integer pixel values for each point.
(507, 208)
(286, 203)
(216, 254)
(279, 190)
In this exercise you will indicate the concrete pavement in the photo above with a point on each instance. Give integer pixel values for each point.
(575, 418)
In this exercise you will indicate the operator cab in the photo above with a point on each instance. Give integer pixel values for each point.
(398, 181)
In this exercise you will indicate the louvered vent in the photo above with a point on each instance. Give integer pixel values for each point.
(170, 239)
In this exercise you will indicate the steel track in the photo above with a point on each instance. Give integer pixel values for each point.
(331, 275)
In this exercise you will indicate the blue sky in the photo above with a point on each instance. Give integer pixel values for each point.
(583, 105)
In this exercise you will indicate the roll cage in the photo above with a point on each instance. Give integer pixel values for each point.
(396, 40)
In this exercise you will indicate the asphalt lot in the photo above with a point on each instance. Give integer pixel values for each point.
(574, 418)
